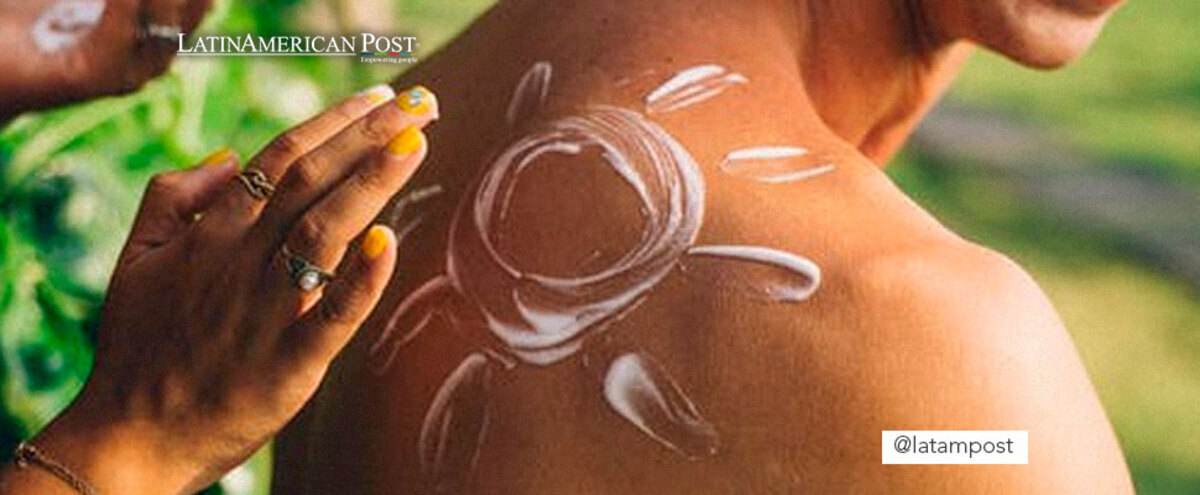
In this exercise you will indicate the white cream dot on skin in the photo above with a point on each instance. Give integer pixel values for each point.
(65, 23)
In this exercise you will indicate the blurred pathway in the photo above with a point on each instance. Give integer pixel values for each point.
(1155, 219)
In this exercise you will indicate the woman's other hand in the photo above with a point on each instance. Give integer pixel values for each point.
(64, 51)
(208, 342)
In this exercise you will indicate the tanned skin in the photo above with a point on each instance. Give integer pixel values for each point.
(913, 328)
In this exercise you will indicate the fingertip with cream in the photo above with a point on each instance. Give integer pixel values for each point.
(418, 101)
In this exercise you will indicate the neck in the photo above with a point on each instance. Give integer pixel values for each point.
(864, 71)
(872, 69)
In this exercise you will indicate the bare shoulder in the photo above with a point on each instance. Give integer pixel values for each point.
(954, 336)
(936, 285)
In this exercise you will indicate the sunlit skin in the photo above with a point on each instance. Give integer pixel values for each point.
(913, 328)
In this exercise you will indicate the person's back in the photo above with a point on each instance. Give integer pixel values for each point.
(634, 265)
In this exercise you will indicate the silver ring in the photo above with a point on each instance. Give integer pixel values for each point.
(256, 183)
(305, 275)
(149, 30)
(164, 32)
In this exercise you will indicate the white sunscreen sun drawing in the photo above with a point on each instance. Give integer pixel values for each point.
(528, 318)
(65, 23)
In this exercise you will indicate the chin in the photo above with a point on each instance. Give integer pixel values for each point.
(1037, 33)
(1047, 46)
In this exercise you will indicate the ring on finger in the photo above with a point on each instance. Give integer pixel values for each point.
(155, 31)
(305, 275)
(256, 183)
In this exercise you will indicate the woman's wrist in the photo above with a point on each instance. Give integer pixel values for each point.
(115, 456)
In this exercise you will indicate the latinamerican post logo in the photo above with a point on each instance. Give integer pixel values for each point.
(369, 47)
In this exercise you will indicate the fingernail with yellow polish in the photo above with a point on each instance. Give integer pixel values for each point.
(407, 142)
(418, 100)
(378, 94)
(218, 157)
(375, 242)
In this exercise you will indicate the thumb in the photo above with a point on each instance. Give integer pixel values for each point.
(173, 199)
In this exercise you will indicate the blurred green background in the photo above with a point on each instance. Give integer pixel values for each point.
(71, 178)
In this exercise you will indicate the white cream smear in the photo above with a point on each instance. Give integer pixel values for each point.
(774, 164)
(419, 195)
(530, 94)
(65, 23)
(641, 391)
(454, 426)
(691, 86)
(520, 317)
(401, 206)
(542, 318)
(770, 274)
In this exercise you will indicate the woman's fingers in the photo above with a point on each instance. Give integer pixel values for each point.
(321, 234)
(278, 156)
(173, 200)
(322, 332)
(238, 207)
(316, 173)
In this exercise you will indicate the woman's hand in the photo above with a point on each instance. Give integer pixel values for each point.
(62, 51)
(208, 345)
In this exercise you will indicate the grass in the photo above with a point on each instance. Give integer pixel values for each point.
(1134, 97)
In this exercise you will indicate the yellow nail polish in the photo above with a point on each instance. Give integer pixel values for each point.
(407, 142)
(375, 242)
(379, 94)
(218, 157)
(417, 100)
